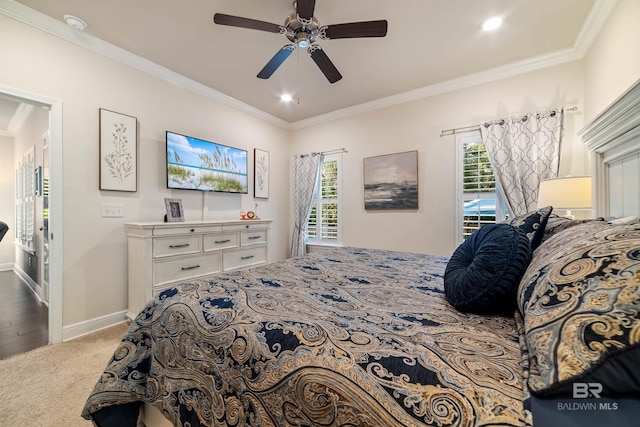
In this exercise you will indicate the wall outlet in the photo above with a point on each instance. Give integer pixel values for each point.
(112, 211)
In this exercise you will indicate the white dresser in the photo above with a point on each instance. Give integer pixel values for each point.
(163, 253)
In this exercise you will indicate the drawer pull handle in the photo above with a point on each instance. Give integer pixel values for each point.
(184, 245)
(190, 268)
(223, 241)
(247, 257)
(254, 237)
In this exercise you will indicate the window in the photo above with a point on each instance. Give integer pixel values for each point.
(479, 201)
(323, 225)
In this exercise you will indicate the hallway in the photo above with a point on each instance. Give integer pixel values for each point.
(23, 319)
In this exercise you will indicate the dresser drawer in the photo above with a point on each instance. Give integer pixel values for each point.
(244, 257)
(178, 245)
(185, 229)
(253, 237)
(174, 269)
(214, 242)
(249, 225)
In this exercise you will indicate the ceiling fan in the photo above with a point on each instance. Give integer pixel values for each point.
(303, 30)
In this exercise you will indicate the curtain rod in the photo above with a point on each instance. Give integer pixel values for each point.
(335, 151)
(453, 131)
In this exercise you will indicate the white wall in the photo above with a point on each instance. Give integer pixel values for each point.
(7, 197)
(417, 126)
(94, 270)
(612, 64)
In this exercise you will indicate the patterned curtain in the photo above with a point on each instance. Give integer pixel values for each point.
(306, 169)
(523, 151)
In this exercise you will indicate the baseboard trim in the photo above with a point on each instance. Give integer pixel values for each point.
(96, 324)
(35, 288)
(6, 267)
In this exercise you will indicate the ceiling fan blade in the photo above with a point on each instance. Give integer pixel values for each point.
(324, 63)
(276, 61)
(252, 24)
(304, 8)
(355, 29)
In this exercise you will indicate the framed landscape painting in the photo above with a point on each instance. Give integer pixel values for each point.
(391, 181)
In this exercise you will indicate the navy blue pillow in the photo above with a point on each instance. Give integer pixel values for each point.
(483, 274)
(533, 224)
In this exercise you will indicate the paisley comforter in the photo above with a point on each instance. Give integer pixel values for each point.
(346, 337)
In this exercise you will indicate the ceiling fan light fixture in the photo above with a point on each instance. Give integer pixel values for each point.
(75, 22)
(302, 40)
(492, 23)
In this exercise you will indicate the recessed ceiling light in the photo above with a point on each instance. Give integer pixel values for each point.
(492, 23)
(75, 22)
(286, 98)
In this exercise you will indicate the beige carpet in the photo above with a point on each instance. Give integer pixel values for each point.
(47, 387)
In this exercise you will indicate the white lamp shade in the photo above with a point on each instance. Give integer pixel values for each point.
(571, 192)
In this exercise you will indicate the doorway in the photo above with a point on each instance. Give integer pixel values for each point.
(54, 236)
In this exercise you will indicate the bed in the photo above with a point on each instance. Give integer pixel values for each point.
(338, 337)
(362, 337)
(546, 334)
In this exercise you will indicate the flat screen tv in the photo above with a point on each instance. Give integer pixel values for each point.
(196, 164)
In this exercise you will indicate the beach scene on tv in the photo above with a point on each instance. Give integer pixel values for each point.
(195, 164)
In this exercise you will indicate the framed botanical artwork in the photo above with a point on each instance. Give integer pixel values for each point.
(391, 181)
(260, 174)
(118, 151)
(175, 212)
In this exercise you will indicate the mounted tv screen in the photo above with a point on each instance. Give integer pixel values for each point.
(195, 164)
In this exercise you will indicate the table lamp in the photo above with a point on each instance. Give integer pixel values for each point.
(568, 193)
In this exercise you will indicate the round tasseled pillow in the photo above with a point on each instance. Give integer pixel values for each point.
(483, 274)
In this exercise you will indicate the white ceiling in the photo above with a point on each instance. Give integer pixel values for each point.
(429, 44)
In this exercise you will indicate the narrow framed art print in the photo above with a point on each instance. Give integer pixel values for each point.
(118, 151)
(261, 174)
(175, 212)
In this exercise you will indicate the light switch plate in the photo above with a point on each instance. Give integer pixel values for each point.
(112, 210)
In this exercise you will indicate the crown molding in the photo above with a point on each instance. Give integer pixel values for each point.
(590, 29)
(593, 24)
(19, 118)
(463, 82)
(38, 20)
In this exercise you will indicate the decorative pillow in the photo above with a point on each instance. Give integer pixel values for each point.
(533, 224)
(580, 303)
(483, 273)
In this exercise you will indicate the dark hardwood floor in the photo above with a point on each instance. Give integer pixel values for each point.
(23, 319)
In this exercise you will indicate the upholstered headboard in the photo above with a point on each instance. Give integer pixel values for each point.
(613, 138)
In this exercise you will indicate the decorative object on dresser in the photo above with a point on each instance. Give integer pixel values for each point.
(162, 254)
(260, 174)
(391, 181)
(118, 151)
(175, 212)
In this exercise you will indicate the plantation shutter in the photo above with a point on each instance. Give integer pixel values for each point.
(322, 226)
(479, 196)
